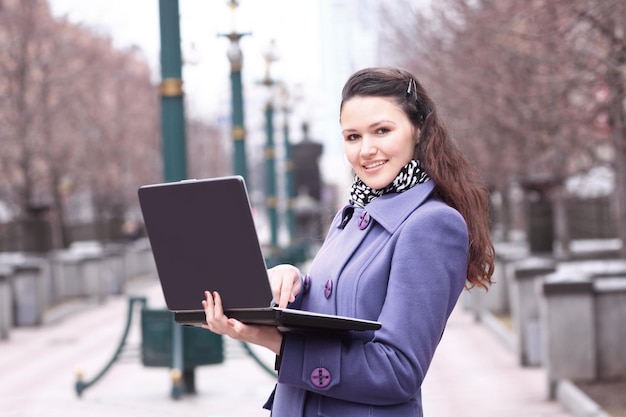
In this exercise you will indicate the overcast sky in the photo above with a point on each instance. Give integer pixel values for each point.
(136, 22)
(320, 43)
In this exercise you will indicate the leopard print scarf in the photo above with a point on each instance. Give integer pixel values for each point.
(410, 175)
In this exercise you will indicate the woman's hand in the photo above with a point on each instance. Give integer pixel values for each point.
(217, 322)
(285, 283)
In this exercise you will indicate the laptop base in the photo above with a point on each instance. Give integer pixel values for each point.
(282, 318)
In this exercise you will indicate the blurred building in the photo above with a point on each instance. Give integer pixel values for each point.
(305, 157)
(308, 184)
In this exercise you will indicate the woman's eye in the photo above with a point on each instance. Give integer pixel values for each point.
(382, 130)
(352, 137)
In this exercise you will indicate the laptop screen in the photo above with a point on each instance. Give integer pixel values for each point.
(203, 237)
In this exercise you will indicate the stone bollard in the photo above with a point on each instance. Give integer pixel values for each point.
(90, 254)
(140, 260)
(113, 268)
(568, 328)
(498, 299)
(90, 273)
(130, 261)
(525, 301)
(66, 275)
(28, 293)
(48, 294)
(133, 259)
(148, 266)
(6, 313)
(594, 249)
(610, 322)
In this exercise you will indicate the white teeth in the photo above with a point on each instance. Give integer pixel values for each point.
(374, 165)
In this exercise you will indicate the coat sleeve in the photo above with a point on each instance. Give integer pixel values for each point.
(428, 272)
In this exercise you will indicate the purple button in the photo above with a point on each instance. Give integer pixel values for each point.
(307, 284)
(320, 377)
(364, 220)
(328, 288)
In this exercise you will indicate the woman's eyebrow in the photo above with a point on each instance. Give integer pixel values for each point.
(373, 125)
(380, 122)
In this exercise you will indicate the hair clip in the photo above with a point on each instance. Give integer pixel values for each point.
(412, 87)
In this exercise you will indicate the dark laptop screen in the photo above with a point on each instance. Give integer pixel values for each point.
(203, 237)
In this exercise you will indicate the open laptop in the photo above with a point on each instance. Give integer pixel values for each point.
(203, 237)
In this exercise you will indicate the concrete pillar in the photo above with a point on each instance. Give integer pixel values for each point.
(131, 261)
(568, 328)
(28, 300)
(66, 273)
(6, 313)
(113, 269)
(498, 299)
(610, 322)
(525, 307)
(91, 277)
(47, 291)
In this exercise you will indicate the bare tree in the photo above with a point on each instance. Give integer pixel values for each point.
(206, 149)
(516, 79)
(18, 72)
(602, 37)
(80, 122)
(50, 72)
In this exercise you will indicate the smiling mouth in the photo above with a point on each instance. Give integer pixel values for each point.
(374, 165)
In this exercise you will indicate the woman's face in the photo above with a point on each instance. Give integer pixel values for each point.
(379, 139)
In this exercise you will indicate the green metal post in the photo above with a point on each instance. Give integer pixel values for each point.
(270, 174)
(289, 180)
(172, 103)
(271, 200)
(238, 129)
(173, 132)
(237, 119)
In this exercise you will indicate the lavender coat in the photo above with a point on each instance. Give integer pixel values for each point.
(401, 261)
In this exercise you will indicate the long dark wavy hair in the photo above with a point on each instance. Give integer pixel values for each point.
(455, 180)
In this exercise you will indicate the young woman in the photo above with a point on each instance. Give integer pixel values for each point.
(414, 233)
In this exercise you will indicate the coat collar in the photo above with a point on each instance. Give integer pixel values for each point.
(390, 210)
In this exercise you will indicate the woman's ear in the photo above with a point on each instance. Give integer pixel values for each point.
(417, 135)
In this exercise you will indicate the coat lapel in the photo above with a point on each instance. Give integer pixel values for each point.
(390, 210)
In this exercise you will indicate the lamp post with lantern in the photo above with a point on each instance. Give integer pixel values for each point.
(174, 149)
(235, 57)
(271, 201)
(289, 180)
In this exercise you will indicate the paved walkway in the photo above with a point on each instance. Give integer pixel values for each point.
(473, 375)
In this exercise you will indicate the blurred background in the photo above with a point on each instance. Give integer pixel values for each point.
(100, 97)
(532, 92)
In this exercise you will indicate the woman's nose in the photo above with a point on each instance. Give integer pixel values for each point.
(368, 147)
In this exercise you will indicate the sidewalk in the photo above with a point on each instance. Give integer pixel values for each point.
(472, 375)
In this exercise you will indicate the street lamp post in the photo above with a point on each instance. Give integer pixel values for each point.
(289, 180)
(235, 57)
(174, 148)
(171, 91)
(271, 201)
